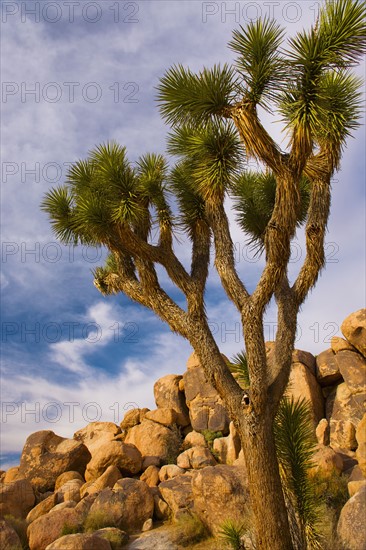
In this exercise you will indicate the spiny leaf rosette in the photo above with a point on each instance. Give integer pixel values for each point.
(309, 83)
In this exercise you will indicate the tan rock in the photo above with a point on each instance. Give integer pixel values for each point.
(48, 528)
(128, 505)
(16, 498)
(327, 368)
(326, 462)
(196, 457)
(161, 508)
(133, 417)
(303, 384)
(42, 508)
(153, 439)
(124, 456)
(177, 493)
(107, 479)
(147, 526)
(194, 439)
(169, 395)
(228, 448)
(304, 357)
(169, 471)
(80, 541)
(65, 477)
(116, 537)
(351, 525)
(343, 435)
(9, 539)
(150, 461)
(97, 434)
(12, 475)
(46, 455)
(166, 417)
(353, 369)
(83, 507)
(322, 432)
(70, 491)
(220, 493)
(340, 344)
(206, 409)
(181, 385)
(150, 476)
(355, 486)
(354, 330)
(361, 444)
(240, 461)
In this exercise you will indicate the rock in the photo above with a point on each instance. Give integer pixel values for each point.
(353, 369)
(354, 330)
(42, 508)
(344, 411)
(169, 471)
(196, 457)
(12, 475)
(80, 541)
(9, 539)
(65, 477)
(326, 462)
(16, 498)
(355, 486)
(70, 491)
(151, 476)
(206, 409)
(147, 526)
(126, 457)
(83, 507)
(96, 434)
(161, 508)
(340, 344)
(343, 435)
(48, 528)
(220, 493)
(228, 448)
(166, 417)
(361, 444)
(322, 432)
(128, 505)
(303, 384)
(46, 455)
(304, 357)
(116, 537)
(168, 395)
(153, 439)
(165, 539)
(177, 493)
(327, 368)
(64, 505)
(150, 461)
(194, 439)
(107, 479)
(351, 525)
(133, 417)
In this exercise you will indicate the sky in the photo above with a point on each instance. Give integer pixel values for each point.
(77, 74)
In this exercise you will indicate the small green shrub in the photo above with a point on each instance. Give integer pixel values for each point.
(20, 527)
(175, 445)
(232, 532)
(210, 437)
(191, 529)
(98, 520)
(331, 490)
(69, 529)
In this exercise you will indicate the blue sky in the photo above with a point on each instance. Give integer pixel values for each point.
(78, 75)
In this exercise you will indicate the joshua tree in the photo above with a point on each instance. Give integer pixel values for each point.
(215, 122)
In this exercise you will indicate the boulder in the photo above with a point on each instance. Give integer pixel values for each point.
(97, 434)
(354, 330)
(196, 458)
(42, 508)
(70, 491)
(322, 432)
(48, 528)
(12, 475)
(107, 479)
(116, 537)
(65, 477)
(128, 505)
(166, 417)
(46, 455)
(150, 476)
(150, 461)
(194, 439)
(344, 411)
(9, 539)
(361, 444)
(353, 369)
(351, 525)
(220, 493)
(80, 541)
(303, 384)
(126, 457)
(153, 439)
(132, 418)
(206, 409)
(163, 539)
(227, 449)
(168, 395)
(340, 344)
(177, 493)
(355, 486)
(161, 508)
(326, 462)
(304, 357)
(169, 471)
(327, 368)
(16, 498)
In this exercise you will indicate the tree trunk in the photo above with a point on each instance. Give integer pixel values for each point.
(271, 520)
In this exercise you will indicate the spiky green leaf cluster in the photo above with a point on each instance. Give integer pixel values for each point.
(239, 366)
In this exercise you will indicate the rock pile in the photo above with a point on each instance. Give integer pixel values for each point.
(110, 481)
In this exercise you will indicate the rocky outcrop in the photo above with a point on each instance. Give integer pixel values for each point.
(107, 479)
(177, 493)
(304, 385)
(354, 330)
(351, 525)
(153, 439)
(168, 395)
(132, 418)
(195, 458)
(126, 457)
(16, 498)
(97, 434)
(48, 528)
(46, 455)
